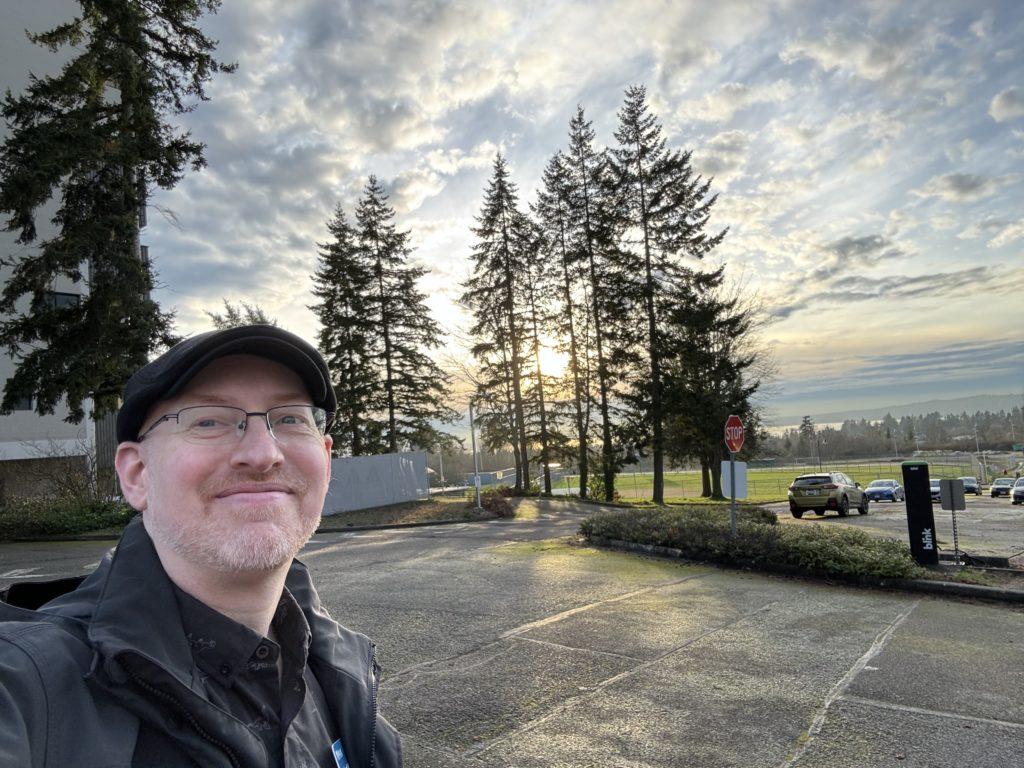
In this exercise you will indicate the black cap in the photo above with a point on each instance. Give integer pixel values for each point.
(168, 374)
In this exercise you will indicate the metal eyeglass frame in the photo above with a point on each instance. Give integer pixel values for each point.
(328, 417)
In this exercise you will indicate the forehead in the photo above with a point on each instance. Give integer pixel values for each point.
(247, 381)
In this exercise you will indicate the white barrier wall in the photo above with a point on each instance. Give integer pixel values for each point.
(360, 482)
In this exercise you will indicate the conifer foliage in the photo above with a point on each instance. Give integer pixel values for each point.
(377, 334)
(93, 137)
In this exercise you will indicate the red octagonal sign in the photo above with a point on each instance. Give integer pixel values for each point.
(734, 433)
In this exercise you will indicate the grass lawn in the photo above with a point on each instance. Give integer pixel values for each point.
(763, 485)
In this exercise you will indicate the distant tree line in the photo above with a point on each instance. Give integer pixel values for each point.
(996, 431)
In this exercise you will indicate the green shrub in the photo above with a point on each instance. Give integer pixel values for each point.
(496, 500)
(43, 516)
(704, 534)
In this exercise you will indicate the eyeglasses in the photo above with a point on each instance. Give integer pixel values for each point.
(225, 425)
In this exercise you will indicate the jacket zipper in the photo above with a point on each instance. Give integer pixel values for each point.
(153, 690)
(374, 682)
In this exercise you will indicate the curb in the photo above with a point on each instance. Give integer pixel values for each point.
(944, 588)
(336, 529)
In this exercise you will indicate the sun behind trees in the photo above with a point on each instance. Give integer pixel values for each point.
(608, 267)
(376, 331)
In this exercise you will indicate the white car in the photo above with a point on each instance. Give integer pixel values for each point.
(1017, 494)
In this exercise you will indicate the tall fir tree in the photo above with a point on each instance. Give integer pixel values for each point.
(712, 369)
(664, 208)
(414, 387)
(503, 239)
(343, 283)
(592, 218)
(553, 213)
(94, 136)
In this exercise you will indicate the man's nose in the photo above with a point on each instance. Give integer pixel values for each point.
(257, 448)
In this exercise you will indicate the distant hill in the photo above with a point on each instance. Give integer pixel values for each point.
(953, 405)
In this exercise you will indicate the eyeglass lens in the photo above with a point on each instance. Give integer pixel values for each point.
(225, 424)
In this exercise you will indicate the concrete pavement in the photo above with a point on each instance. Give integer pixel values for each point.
(504, 645)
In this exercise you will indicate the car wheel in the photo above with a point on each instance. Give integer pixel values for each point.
(844, 507)
(820, 512)
(797, 513)
(863, 508)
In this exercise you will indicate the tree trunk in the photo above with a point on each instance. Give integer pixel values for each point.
(389, 382)
(517, 390)
(574, 366)
(705, 478)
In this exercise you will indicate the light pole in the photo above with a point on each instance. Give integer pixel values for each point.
(476, 460)
(977, 448)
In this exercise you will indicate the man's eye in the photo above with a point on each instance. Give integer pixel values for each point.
(209, 423)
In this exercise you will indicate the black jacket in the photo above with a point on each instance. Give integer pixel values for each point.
(103, 676)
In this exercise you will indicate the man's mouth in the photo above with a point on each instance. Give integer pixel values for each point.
(255, 491)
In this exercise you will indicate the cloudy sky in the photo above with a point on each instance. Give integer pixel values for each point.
(869, 159)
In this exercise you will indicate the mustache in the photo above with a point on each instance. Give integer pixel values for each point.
(295, 483)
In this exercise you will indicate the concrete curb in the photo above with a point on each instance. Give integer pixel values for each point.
(944, 588)
(341, 529)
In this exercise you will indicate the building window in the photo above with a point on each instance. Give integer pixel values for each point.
(58, 300)
(25, 404)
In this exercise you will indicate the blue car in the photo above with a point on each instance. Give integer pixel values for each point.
(885, 490)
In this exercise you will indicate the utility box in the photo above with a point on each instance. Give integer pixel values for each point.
(951, 494)
(920, 519)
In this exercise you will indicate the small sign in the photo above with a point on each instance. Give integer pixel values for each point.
(741, 478)
(951, 494)
(734, 434)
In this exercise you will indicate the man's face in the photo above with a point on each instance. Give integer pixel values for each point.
(247, 506)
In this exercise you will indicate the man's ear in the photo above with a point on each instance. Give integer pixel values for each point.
(328, 444)
(131, 471)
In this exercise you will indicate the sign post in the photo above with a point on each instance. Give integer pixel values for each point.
(951, 494)
(734, 442)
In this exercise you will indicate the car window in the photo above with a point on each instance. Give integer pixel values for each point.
(812, 480)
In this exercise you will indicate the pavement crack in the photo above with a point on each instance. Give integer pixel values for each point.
(931, 712)
(844, 682)
(548, 643)
(571, 701)
(522, 629)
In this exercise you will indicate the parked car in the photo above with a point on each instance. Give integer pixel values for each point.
(1017, 494)
(1001, 486)
(971, 485)
(934, 487)
(822, 491)
(884, 490)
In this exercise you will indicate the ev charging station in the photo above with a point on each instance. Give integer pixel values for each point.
(920, 519)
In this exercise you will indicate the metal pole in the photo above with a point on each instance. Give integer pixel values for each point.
(956, 542)
(732, 491)
(440, 458)
(476, 459)
(977, 448)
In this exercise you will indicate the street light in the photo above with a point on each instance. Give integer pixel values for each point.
(476, 460)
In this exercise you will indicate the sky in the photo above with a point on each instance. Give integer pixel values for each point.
(868, 157)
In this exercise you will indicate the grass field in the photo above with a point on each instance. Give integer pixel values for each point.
(767, 484)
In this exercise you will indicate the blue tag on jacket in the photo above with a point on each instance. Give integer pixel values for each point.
(339, 754)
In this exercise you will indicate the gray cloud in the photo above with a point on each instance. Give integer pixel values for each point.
(962, 187)
(1006, 105)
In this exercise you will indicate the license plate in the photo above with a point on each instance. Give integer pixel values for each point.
(810, 493)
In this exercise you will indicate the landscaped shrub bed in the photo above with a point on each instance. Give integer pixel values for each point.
(26, 518)
(701, 533)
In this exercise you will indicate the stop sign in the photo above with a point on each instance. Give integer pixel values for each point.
(734, 433)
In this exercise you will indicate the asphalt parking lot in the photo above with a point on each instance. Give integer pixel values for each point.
(988, 527)
(507, 644)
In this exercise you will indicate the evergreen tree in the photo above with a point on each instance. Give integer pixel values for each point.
(343, 283)
(553, 212)
(592, 219)
(711, 370)
(414, 386)
(94, 136)
(664, 209)
(243, 314)
(503, 239)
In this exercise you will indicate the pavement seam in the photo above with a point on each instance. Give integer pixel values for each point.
(844, 682)
(548, 643)
(931, 712)
(572, 701)
(395, 683)
(524, 628)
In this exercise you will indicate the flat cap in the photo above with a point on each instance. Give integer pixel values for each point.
(168, 374)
